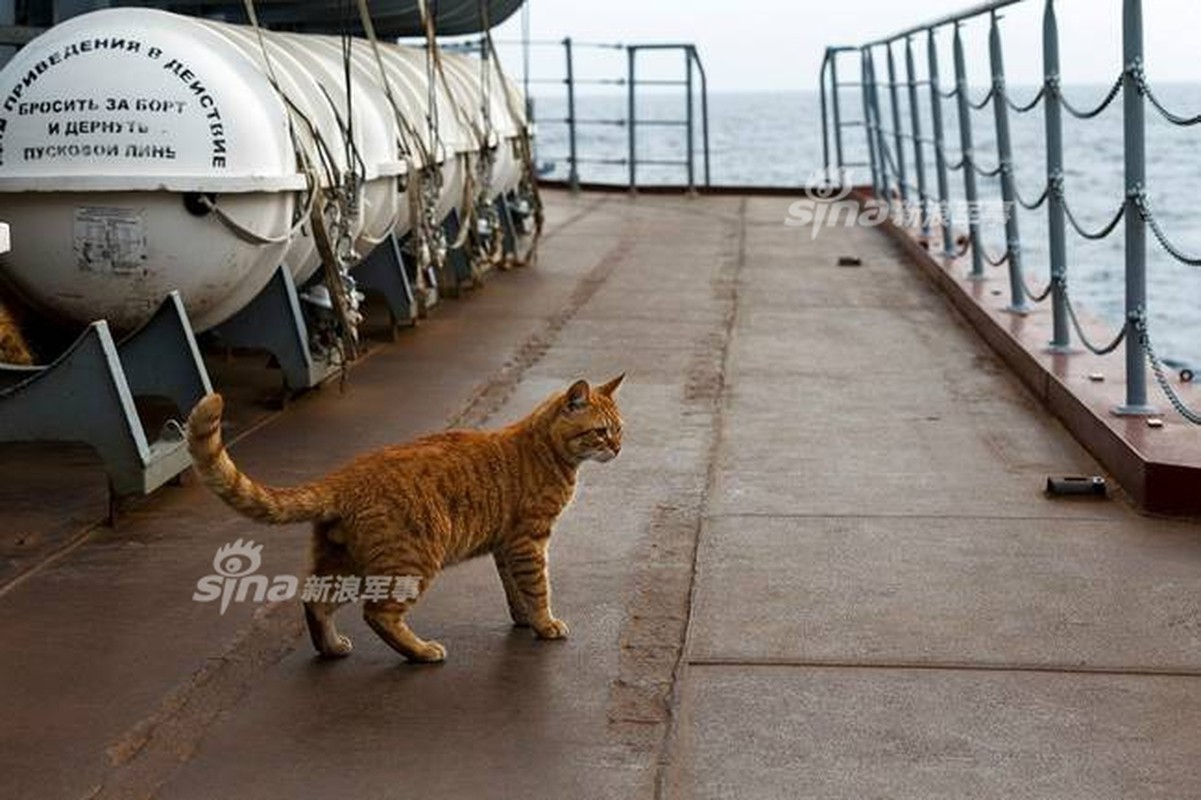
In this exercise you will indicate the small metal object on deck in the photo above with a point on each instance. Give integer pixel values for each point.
(1077, 486)
(1154, 422)
(1097, 377)
(1187, 375)
(850, 261)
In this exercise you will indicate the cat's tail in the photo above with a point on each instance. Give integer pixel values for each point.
(261, 503)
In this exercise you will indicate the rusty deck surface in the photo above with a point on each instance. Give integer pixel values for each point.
(822, 567)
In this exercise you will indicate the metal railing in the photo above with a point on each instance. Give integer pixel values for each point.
(693, 82)
(887, 158)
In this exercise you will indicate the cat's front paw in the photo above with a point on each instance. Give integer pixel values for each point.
(552, 629)
(429, 653)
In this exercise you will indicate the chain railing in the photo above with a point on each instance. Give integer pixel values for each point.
(886, 147)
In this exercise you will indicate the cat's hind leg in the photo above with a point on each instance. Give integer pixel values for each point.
(329, 560)
(387, 619)
(412, 562)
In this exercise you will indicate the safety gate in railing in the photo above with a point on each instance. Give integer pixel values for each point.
(693, 83)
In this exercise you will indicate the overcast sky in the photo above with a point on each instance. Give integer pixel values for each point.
(752, 45)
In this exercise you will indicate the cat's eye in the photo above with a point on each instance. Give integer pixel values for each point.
(601, 431)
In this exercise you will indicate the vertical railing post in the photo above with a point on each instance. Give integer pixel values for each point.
(885, 193)
(1056, 222)
(919, 157)
(898, 136)
(869, 128)
(689, 121)
(705, 110)
(631, 121)
(940, 151)
(573, 175)
(825, 114)
(1134, 114)
(969, 157)
(1013, 239)
(837, 109)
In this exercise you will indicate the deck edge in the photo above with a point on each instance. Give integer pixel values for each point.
(1157, 483)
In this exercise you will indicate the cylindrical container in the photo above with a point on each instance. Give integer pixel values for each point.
(143, 151)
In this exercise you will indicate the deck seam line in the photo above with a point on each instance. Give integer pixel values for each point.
(668, 747)
(80, 538)
(957, 517)
(950, 666)
(574, 218)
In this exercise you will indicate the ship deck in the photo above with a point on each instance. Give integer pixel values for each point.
(823, 565)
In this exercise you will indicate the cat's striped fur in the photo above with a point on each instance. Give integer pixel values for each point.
(13, 347)
(413, 509)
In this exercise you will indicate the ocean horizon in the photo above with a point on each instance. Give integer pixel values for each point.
(760, 138)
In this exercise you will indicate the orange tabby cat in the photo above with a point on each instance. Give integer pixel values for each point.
(410, 510)
(13, 347)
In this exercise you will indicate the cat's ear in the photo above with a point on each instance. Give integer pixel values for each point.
(609, 388)
(577, 396)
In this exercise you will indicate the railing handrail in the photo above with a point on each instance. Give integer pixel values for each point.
(887, 157)
(949, 19)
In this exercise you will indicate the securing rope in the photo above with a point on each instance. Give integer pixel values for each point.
(436, 71)
(254, 237)
(336, 276)
(525, 143)
(409, 138)
(486, 235)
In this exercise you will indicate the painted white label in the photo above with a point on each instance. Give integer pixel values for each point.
(110, 240)
(103, 100)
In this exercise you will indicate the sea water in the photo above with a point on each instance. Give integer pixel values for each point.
(775, 139)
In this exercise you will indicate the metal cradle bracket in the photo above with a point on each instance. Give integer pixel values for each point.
(506, 222)
(457, 270)
(87, 395)
(383, 272)
(273, 322)
(427, 289)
